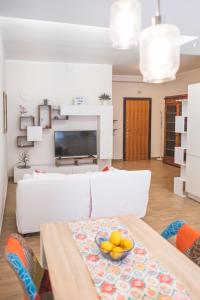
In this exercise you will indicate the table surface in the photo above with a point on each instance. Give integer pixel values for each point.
(70, 277)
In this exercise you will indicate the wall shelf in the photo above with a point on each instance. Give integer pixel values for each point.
(44, 116)
(179, 186)
(23, 143)
(25, 121)
(56, 116)
(181, 124)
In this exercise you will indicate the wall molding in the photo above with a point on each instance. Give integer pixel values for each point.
(127, 78)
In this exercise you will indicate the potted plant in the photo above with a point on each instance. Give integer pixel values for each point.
(24, 158)
(104, 98)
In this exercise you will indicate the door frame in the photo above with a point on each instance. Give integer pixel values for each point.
(124, 122)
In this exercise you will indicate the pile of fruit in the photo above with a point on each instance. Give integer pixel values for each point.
(116, 246)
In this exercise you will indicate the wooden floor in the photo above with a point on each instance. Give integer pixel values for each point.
(163, 207)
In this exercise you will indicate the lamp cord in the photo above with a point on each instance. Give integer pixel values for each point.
(158, 8)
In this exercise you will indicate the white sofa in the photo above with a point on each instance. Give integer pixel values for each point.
(51, 198)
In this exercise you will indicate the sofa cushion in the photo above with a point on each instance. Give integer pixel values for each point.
(119, 193)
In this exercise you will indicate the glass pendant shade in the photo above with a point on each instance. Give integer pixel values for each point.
(159, 53)
(125, 23)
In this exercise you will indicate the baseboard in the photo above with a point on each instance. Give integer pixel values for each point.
(4, 202)
(193, 197)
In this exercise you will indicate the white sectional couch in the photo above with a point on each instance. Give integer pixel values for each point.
(45, 198)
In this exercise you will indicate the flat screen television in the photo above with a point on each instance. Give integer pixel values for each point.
(75, 143)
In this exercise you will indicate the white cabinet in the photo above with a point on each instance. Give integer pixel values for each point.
(192, 177)
(194, 120)
(193, 143)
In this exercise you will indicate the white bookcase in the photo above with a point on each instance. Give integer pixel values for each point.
(181, 152)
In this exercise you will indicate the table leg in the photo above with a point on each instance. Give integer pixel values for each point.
(43, 260)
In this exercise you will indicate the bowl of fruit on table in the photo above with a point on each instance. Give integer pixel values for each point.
(113, 245)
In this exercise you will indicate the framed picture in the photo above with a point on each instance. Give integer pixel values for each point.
(5, 120)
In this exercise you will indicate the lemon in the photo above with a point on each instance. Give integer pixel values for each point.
(116, 252)
(126, 244)
(106, 246)
(115, 238)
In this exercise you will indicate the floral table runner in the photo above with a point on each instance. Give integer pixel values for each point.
(138, 276)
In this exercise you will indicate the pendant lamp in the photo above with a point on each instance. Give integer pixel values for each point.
(125, 23)
(159, 51)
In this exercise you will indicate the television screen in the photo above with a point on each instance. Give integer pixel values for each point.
(75, 143)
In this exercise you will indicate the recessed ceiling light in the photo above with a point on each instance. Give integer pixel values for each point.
(194, 44)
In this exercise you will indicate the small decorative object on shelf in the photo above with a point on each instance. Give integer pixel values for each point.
(26, 121)
(44, 116)
(22, 142)
(79, 100)
(55, 114)
(24, 158)
(104, 98)
(23, 110)
(46, 101)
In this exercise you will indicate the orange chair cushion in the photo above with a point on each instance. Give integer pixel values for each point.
(186, 237)
(13, 246)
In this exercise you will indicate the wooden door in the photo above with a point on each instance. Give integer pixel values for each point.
(137, 126)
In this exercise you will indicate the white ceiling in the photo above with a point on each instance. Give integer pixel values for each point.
(184, 13)
(88, 42)
(50, 41)
(188, 63)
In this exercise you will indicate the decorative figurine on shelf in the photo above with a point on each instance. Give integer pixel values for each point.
(23, 110)
(79, 100)
(24, 158)
(46, 101)
(104, 98)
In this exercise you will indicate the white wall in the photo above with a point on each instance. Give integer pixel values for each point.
(155, 91)
(28, 83)
(3, 151)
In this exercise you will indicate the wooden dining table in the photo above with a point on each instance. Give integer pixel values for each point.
(69, 274)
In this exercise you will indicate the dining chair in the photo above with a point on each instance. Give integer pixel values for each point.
(32, 276)
(187, 239)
